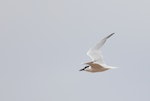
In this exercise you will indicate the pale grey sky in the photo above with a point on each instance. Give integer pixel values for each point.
(44, 42)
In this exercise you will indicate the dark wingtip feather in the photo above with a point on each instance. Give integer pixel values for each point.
(110, 35)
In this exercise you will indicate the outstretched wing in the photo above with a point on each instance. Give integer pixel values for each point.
(95, 53)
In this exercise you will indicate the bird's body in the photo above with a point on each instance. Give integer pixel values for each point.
(97, 64)
(95, 67)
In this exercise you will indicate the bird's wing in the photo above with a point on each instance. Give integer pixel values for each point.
(95, 54)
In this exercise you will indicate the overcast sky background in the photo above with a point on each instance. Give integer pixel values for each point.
(43, 44)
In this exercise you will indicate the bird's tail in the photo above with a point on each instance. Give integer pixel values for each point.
(112, 67)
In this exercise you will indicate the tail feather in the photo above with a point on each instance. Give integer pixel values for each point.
(111, 67)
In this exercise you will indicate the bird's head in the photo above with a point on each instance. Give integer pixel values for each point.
(86, 68)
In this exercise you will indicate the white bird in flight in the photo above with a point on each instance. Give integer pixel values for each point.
(97, 64)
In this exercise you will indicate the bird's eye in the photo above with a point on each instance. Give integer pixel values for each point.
(86, 66)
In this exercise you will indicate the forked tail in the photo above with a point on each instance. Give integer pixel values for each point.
(111, 67)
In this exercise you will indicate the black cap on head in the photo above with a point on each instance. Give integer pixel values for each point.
(84, 68)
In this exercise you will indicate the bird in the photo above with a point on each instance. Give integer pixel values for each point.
(97, 64)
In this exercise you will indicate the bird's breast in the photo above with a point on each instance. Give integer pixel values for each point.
(96, 68)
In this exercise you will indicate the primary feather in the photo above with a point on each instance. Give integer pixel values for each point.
(95, 54)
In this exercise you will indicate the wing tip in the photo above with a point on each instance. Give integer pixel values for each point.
(110, 35)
